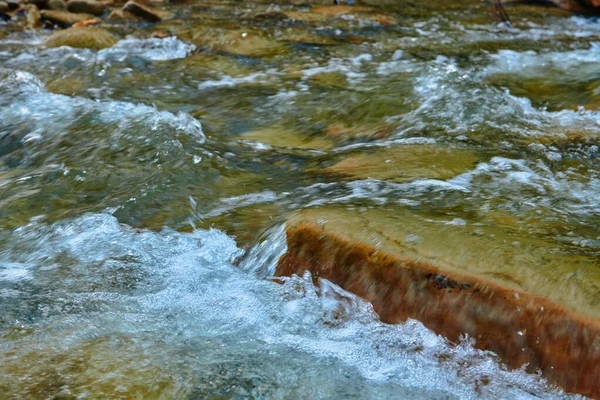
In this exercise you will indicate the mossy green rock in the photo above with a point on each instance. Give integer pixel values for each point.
(88, 38)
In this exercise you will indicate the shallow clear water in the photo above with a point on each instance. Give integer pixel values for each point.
(135, 181)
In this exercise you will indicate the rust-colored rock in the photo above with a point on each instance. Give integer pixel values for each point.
(521, 327)
(88, 22)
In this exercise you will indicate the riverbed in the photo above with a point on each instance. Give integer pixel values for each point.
(144, 188)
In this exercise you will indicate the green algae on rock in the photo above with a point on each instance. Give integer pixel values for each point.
(89, 38)
(248, 44)
(403, 163)
(280, 137)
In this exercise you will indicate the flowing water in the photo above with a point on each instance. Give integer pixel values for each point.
(135, 180)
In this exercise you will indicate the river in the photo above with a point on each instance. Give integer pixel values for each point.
(143, 188)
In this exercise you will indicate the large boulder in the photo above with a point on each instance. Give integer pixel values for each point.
(89, 38)
(516, 295)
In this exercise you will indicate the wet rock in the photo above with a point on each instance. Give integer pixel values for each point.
(329, 80)
(64, 18)
(87, 6)
(120, 15)
(34, 18)
(341, 10)
(508, 299)
(404, 163)
(90, 38)
(308, 39)
(579, 6)
(4, 7)
(341, 132)
(141, 11)
(58, 5)
(68, 85)
(306, 16)
(247, 44)
(284, 138)
(96, 368)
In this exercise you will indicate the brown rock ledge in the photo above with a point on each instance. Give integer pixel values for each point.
(520, 326)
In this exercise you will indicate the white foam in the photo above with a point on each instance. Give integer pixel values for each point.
(24, 100)
(183, 288)
(151, 49)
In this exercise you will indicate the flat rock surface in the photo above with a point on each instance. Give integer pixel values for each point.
(515, 296)
(402, 163)
(516, 261)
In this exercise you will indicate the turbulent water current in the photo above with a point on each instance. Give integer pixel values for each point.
(144, 187)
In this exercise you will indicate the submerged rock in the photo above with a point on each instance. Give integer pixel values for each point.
(281, 137)
(404, 163)
(341, 10)
(95, 367)
(90, 38)
(511, 300)
(247, 44)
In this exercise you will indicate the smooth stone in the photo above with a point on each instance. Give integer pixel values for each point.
(142, 11)
(248, 44)
(120, 15)
(4, 7)
(90, 38)
(283, 138)
(64, 18)
(404, 163)
(87, 6)
(341, 10)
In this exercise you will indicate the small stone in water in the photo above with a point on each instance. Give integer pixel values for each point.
(90, 38)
